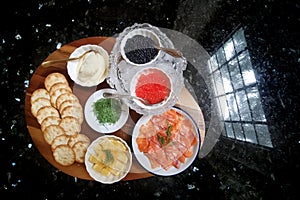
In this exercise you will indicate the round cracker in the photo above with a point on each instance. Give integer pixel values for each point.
(45, 112)
(70, 125)
(80, 149)
(73, 111)
(51, 120)
(64, 155)
(79, 138)
(38, 104)
(39, 93)
(66, 96)
(56, 94)
(53, 78)
(57, 86)
(61, 139)
(51, 132)
(66, 103)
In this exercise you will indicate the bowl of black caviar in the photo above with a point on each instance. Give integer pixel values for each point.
(138, 47)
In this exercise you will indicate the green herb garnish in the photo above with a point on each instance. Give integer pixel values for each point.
(107, 110)
(168, 132)
(109, 158)
(161, 139)
(165, 140)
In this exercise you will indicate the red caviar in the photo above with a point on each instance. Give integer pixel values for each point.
(153, 86)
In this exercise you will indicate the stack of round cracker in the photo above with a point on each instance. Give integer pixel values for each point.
(60, 115)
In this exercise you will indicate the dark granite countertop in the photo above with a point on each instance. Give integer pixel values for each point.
(247, 77)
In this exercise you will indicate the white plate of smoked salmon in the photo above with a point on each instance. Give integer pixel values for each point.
(166, 144)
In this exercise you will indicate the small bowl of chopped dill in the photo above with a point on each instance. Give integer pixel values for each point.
(105, 115)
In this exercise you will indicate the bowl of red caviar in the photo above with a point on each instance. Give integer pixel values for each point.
(159, 84)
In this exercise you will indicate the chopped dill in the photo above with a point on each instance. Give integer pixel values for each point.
(107, 110)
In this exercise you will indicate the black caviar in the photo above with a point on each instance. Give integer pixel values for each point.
(140, 49)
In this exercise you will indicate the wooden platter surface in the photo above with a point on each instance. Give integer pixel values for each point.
(78, 170)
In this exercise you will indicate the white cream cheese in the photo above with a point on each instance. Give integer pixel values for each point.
(91, 67)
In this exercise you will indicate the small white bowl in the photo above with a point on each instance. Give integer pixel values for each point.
(176, 85)
(144, 160)
(91, 118)
(72, 66)
(143, 32)
(134, 83)
(97, 175)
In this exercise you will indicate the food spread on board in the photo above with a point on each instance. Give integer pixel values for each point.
(167, 139)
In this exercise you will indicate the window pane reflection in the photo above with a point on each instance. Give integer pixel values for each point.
(237, 127)
(223, 105)
(250, 136)
(229, 130)
(218, 83)
(213, 63)
(263, 135)
(243, 106)
(221, 56)
(239, 40)
(233, 110)
(255, 104)
(246, 67)
(236, 76)
(226, 79)
(229, 49)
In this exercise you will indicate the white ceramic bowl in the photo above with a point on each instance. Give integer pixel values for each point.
(72, 66)
(97, 175)
(176, 83)
(144, 160)
(146, 72)
(142, 32)
(91, 118)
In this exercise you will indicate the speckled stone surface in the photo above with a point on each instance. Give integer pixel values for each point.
(232, 169)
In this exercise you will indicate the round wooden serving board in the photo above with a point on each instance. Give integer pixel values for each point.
(186, 101)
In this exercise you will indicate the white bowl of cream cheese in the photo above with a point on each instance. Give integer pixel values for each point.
(90, 70)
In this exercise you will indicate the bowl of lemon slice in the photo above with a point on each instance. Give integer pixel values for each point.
(108, 159)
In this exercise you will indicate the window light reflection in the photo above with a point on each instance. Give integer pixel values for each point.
(229, 49)
(237, 94)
